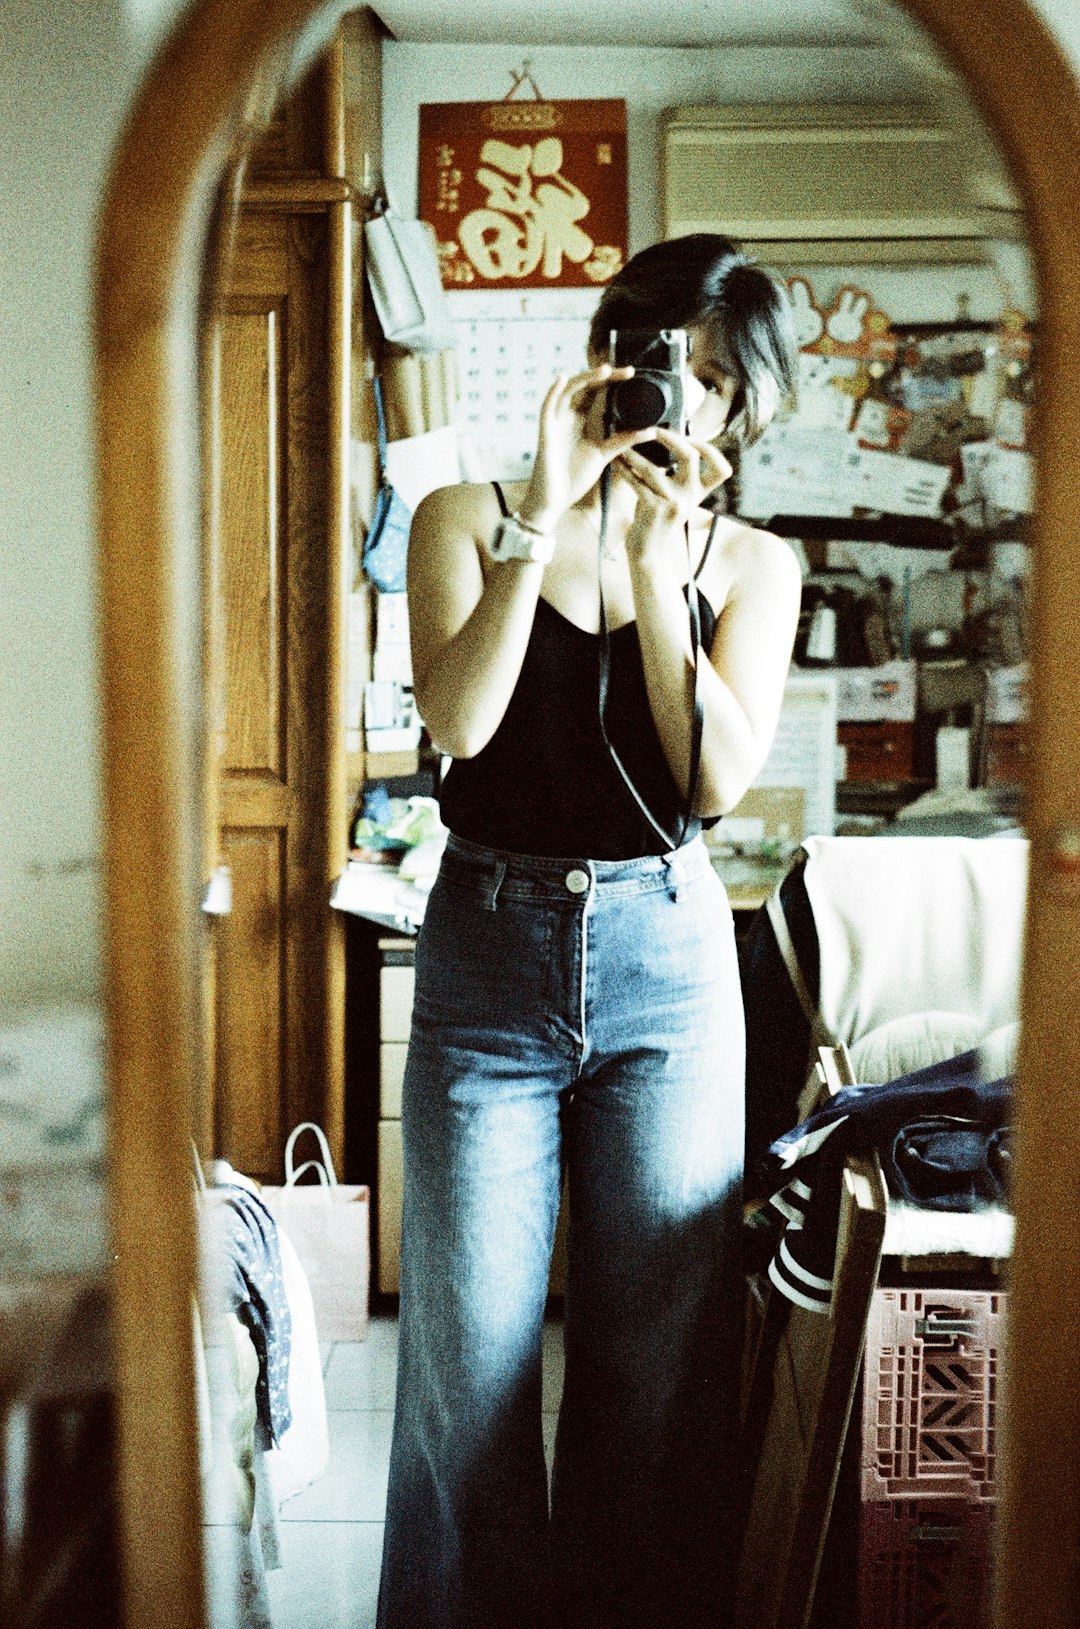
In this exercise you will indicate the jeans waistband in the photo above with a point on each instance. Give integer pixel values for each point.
(574, 879)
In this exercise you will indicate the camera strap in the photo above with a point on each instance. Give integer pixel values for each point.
(698, 720)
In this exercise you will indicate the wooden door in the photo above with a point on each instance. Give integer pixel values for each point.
(277, 1027)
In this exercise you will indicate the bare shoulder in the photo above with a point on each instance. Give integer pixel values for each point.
(446, 556)
(752, 551)
(750, 560)
(467, 509)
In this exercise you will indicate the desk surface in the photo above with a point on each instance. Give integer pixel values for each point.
(378, 894)
(748, 882)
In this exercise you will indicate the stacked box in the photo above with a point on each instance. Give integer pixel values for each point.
(929, 1451)
(925, 1563)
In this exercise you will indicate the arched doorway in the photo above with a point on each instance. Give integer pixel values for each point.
(153, 236)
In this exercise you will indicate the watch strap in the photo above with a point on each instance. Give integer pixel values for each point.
(515, 539)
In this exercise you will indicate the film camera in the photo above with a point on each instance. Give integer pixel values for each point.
(655, 395)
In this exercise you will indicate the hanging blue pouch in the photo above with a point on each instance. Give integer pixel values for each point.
(387, 543)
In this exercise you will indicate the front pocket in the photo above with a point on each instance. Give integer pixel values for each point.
(480, 966)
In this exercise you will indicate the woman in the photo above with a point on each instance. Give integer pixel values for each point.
(577, 999)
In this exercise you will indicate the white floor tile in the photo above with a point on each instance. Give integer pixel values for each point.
(353, 1487)
(553, 1364)
(330, 1579)
(548, 1424)
(363, 1374)
(332, 1532)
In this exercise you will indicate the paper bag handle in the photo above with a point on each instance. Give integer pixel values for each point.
(313, 1165)
(327, 1166)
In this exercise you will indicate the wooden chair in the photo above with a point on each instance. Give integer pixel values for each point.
(800, 1387)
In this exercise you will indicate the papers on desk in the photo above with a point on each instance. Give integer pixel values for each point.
(394, 899)
(797, 470)
(897, 485)
(380, 895)
(1009, 479)
(1001, 476)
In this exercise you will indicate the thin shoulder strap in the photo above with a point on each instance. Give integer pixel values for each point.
(501, 495)
(708, 546)
(380, 417)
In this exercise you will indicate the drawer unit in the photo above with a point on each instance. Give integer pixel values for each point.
(931, 1395)
(395, 1002)
(392, 1055)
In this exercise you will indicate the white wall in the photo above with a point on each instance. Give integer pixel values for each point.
(648, 80)
(67, 76)
(651, 80)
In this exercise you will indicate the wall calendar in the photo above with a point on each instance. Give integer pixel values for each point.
(510, 347)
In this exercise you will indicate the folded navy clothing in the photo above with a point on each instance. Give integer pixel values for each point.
(942, 1134)
(255, 1289)
(954, 1165)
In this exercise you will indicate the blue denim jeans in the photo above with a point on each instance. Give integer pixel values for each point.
(582, 1016)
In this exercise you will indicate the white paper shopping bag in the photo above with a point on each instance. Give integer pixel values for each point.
(327, 1223)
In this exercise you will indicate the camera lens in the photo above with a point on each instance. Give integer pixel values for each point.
(639, 403)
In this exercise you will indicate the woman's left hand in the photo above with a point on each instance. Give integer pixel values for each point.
(667, 501)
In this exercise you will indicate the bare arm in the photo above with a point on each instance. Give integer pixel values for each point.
(468, 636)
(742, 682)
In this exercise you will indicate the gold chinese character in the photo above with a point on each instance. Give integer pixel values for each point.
(603, 263)
(603, 152)
(523, 222)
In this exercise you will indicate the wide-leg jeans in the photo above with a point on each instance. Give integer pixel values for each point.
(579, 1016)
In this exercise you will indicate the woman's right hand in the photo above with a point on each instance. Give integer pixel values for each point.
(572, 450)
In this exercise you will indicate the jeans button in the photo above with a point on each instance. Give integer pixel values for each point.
(577, 881)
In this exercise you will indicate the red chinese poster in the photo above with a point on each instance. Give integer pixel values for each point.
(525, 194)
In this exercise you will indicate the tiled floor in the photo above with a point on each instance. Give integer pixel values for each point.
(332, 1532)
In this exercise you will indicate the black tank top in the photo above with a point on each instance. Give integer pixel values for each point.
(545, 783)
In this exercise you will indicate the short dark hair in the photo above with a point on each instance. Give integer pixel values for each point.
(707, 279)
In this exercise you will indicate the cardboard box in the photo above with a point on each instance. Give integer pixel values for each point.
(877, 752)
(873, 695)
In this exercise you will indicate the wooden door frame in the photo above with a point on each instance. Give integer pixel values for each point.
(183, 127)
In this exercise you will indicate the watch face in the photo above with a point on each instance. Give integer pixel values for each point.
(507, 540)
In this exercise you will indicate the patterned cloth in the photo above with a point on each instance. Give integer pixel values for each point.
(255, 1290)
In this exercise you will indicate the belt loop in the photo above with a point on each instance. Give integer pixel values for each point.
(492, 884)
(674, 871)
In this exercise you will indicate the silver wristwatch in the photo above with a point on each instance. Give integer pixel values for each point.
(515, 539)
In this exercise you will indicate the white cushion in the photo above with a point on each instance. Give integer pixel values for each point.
(904, 923)
(911, 1042)
(997, 1052)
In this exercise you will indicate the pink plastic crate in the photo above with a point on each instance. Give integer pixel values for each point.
(925, 1564)
(930, 1394)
